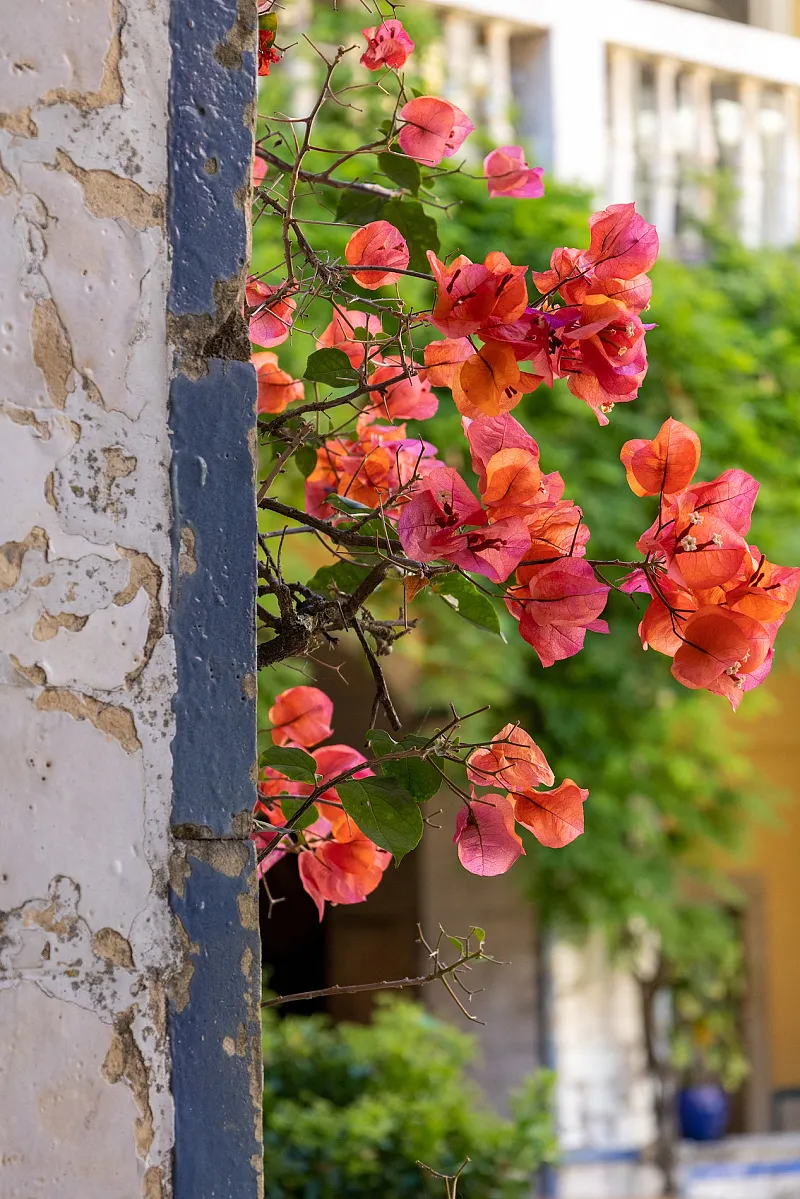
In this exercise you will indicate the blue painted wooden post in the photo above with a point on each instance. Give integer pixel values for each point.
(214, 1023)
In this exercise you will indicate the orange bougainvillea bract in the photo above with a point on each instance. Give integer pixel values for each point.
(717, 604)
(276, 388)
(388, 45)
(434, 129)
(375, 245)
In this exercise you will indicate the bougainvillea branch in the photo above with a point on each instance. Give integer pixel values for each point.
(411, 327)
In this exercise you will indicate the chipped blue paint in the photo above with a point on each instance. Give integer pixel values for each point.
(214, 1026)
(215, 1130)
(213, 601)
(211, 146)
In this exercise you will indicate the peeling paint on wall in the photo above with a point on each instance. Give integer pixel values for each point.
(125, 914)
(87, 674)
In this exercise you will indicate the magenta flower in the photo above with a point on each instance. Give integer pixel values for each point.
(508, 174)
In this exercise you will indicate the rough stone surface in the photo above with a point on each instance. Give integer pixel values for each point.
(85, 685)
(90, 952)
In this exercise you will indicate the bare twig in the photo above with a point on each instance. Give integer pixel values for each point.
(441, 972)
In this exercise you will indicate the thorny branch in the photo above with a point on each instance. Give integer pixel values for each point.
(471, 951)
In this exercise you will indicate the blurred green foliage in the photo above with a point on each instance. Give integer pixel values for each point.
(349, 1110)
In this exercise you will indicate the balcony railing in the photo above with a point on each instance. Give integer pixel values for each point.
(637, 99)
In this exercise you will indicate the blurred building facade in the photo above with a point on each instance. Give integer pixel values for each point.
(641, 99)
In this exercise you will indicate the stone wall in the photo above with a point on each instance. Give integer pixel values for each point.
(104, 969)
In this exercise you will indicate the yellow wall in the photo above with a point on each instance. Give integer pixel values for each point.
(774, 855)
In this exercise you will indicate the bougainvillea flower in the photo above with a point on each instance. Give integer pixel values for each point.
(604, 366)
(735, 687)
(301, 716)
(664, 465)
(491, 382)
(508, 174)
(276, 388)
(377, 244)
(388, 45)
(340, 333)
(513, 761)
(443, 357)
(372, 469)
(434, 129)
(488, 844)
(267, 54)
(554, 817)
(704, 553)
(556, 530)
(259, 171)
(513, 483)
(557, 603)
(489, 435)
(435, 525)
(622, 243)
(471, 295)
(730, 497)
(333, 760)
(767, 592)
(450, 493)
(270, 323)
(567, 275)
(632, 295)
(661, 627)
(718, 642)
(342, 871)
(409, 399)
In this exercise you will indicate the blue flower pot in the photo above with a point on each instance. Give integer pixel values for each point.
(703, 1112)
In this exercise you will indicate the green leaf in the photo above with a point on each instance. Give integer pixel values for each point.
(290, 806)
(385, 128)
(385, 812)
(268, 21)
(462, 595)
(401, 170)
(331, 367)
(305, 459)
(418, 776)
(296, 764)
(419, 230)
(345, 576)
(358, 208)
(479, 934)
(380, 742)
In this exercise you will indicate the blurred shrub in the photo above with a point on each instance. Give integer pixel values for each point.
(349, 1110)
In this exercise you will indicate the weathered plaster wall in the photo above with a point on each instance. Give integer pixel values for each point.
(92, 954)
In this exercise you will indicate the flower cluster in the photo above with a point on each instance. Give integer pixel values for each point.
(594, 340)
(374, 468)
(521, 524)
(486, 836)
(717, 603)
(379, 466)
(336, 862)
